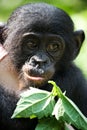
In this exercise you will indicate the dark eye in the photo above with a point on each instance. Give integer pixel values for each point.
(32, 45)
(53, 47)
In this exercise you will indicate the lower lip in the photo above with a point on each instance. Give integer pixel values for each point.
(34, 78)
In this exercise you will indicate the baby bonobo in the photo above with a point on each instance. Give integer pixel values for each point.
(38, 43)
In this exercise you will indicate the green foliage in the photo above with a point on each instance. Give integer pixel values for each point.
(34, 103)
(40, 104)
(66, 110)
(49, 124)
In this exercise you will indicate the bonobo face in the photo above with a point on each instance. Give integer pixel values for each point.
(42, 52)
(37, 56)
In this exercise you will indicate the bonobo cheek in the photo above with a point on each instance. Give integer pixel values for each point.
(37, 76)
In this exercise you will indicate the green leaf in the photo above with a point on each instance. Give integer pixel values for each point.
(49, 124)
(66, 110)
(39, 103)
(56, 91)
(34, 103)
(75, 115)
(58, 110)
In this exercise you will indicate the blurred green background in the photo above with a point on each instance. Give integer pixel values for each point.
(77, 9)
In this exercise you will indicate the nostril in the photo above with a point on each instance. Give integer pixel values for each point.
(35, 62)
(45, 62)
(32, 62)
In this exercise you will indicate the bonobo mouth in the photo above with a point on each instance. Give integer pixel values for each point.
(35, 78)
(35, 74)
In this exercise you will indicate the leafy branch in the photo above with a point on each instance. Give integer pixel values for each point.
(41, 104)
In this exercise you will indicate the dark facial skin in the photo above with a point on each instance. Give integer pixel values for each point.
(43, 51)
(40, 52)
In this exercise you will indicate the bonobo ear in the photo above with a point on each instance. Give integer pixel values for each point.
(79, 37)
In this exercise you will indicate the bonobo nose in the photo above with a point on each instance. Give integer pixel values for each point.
(37, 61)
